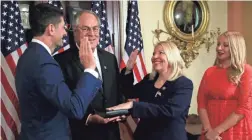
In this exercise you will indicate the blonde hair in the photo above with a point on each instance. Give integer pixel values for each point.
(175, 61)
(237, 49)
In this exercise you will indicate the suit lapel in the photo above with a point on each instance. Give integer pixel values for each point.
(103, 65)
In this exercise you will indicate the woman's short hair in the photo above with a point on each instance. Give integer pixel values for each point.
(175, 61)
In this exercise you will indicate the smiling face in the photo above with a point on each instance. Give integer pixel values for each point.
(159, 59)
(223, 49)
(88, 26)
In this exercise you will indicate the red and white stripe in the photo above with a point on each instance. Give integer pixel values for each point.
(62, 49)
(10, 116)
(110, 49)
(139, 69)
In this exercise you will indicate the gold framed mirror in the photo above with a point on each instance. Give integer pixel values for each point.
(186, 20)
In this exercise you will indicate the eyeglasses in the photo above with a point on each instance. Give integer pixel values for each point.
(86, 29)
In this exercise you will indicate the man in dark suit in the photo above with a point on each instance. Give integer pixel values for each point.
(94, 125)
(45, 100)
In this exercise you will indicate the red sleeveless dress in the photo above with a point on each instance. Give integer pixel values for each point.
(220, 98)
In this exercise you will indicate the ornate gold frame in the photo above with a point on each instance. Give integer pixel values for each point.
(171, 25)
(188, 44)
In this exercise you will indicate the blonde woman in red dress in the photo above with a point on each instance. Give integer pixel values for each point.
(225, 92)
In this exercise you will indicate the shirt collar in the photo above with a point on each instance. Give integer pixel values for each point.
(43, 44)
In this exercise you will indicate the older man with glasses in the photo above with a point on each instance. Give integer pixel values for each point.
(94, 125)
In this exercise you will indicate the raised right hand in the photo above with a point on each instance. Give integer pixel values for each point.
(132, 60)
(86, 54)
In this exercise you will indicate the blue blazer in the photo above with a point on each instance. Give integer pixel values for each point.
(163, 111)
(45, 100)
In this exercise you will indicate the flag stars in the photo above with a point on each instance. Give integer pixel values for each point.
(3, 29)
(134, 40)
(104, 11)
(16, 35)
(16, 13)
(9, 39)
(2, 37)
(9, 32)
(11, 24)
(16, 43)
(21, 39)
(96, 11)
(12, 9)
(11, 16)
(16, 5)
(8, 48)
(107, 35)
(21, 31)
(103, 18)
(4, 13)
(4, 21)
(97, 4)
(5, 5)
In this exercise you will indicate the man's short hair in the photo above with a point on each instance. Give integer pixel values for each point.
(42, 15)
(79, 13)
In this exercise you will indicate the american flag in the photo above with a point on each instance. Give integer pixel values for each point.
(65, 39)
(98, 7)
(12, 47)
(133, 41)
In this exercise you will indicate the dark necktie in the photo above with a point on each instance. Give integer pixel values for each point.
(99, 75)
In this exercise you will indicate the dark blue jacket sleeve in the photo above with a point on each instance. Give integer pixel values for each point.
(128, 88)
(52, 86)
(175, 106)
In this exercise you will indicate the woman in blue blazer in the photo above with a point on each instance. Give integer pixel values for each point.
(164, 95)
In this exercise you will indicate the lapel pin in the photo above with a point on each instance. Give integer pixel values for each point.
(158, 94)
(105, 67)
(163, 88)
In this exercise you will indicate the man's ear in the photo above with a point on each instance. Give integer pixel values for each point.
(51, 29)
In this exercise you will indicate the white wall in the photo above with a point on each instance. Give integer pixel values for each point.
(150, 12)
